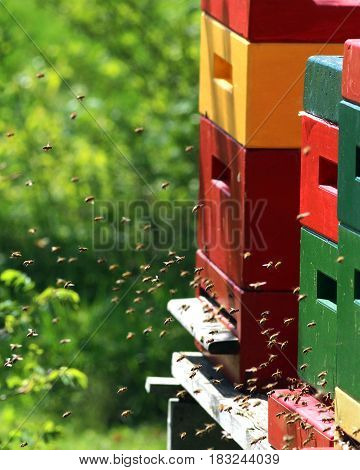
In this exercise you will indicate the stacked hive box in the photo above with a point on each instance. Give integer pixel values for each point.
(347, 394)
(307, 420)
(251, 86)
(329, 332)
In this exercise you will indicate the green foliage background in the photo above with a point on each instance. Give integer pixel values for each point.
(136, 62)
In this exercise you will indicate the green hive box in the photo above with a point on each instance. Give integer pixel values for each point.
(348, 337)
(318, 281)
(349, 165)
(322, 93)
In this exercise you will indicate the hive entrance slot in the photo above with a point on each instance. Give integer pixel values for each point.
(328, 175)
(213, 302)
(223, 74)
(326, 290)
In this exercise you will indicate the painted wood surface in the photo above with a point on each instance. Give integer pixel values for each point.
(245, 420)
(318, 311)
(288, 20)
(254, 91)
(349, 165)
(348, 337)
(347, 414)
(203, 322)
(298, 421)
(351, 81)
(244, 210)
(319, 176)
(322, 93)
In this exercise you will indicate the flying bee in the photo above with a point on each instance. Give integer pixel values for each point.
(75, 179)
(301, 297)
(32, 230)
(28, 262)
(306, 150)
(189, 148)
(149, 310)
(55, 249)
(66, 414)
(288, 321)
(209, 426)
(311, 324)
(126, 274)
(165, 185)
(148, 330)
(60, 259)
(98, 218)
(247, 255)
(184, 273)
(130, 335)
(29, 183)
(47, 147)
(340, 259)
(139, 130)
(197, 207)
(31, 333)
(168, 320)
(80, 97)
(216, 381)
(82, 249)
(238, 386)
(73, 115)
(16, 254)
(65, 341)
(183, 435)
(172, 291)
(129, 311)
(232, 311)
(122, 390)
(23, 444)
(89, 199)
(322, 374)
(147, 227)
(303, 366)
(14, 346)
(126, 413)
(268, 265)
(181, 357)
(68, 285)
(302, 216)
(163, 333)
(256, 285)
(278, 264)
(181, 394)
(10, 134)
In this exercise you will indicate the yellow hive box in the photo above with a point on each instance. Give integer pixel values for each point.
(254, 91)
(347, 414)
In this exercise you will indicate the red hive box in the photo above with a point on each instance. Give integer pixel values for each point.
(351, 70)
(319, 170)
(288, 20)
(254, 334)
(305, 422)
(250, 202)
